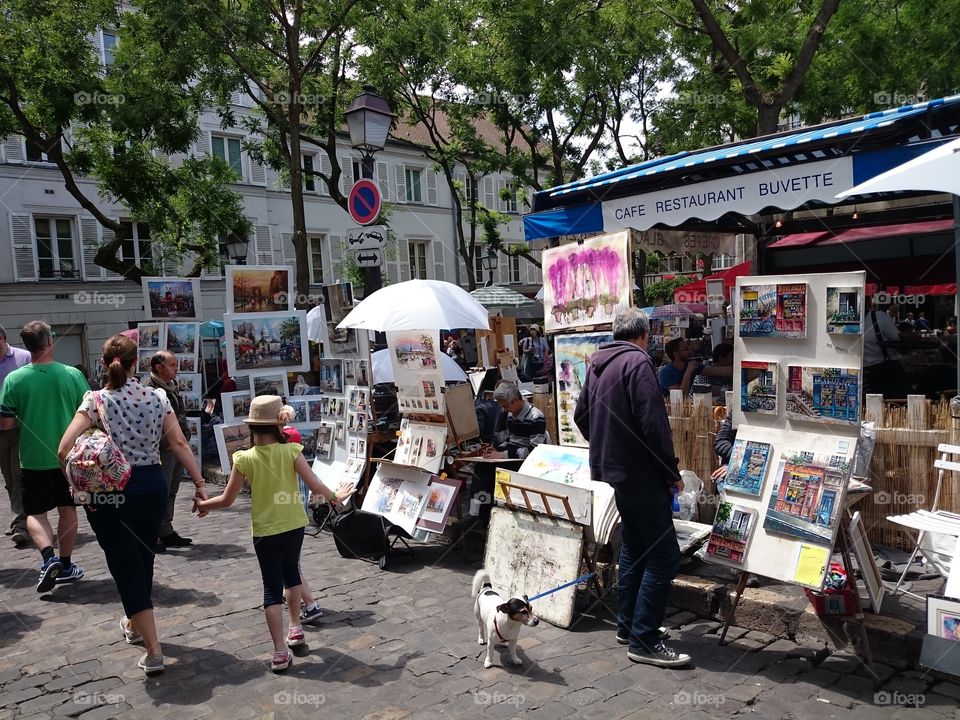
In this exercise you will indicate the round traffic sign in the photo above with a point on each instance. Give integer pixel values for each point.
(364, 201)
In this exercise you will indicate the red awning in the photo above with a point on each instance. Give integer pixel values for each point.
(827, 237)
(696, 292)
(941, 289)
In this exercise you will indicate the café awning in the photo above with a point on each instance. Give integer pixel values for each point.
(811, 239)
(697, 290)
(778, 172)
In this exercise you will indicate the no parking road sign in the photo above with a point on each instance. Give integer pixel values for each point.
(364, 201)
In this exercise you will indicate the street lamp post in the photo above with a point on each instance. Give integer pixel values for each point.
(235, 248)
(489, 263)
(369, 118)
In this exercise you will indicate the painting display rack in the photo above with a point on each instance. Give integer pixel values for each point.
(545, 496)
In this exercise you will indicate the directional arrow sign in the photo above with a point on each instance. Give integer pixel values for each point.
(368, 258)
(372, 237)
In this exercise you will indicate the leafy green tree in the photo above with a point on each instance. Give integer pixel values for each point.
(116, 124)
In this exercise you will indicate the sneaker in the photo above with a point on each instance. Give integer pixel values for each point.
(174, 540)
(660, 656)
(159, 548)
(310, 614)
(129, 634)
(70, 574)
(281, 661)
(625, 640)
(295, 637)
(48, 574)
(21, 539)
(151, 664)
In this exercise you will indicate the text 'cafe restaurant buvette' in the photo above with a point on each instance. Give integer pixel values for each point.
(781, 189)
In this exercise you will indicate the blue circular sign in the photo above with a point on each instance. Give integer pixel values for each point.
(364, 201)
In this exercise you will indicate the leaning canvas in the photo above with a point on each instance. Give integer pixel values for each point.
(758, 387)
(820, 394)
(845, 310)
(586, 283)
(261, 341)
(732, 530)
(572, 355)
(259, 288)
(773, 310)
(747, 467)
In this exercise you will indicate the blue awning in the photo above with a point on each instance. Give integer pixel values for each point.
(742, 177)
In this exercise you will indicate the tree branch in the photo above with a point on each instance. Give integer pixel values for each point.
(808, 50)
(720, 41)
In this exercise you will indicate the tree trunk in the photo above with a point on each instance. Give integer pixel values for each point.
(768, 118)
(302, 267)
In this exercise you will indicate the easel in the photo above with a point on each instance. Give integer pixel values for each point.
(848, 569)
(545, 495)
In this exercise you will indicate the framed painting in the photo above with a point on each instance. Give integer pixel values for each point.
(572, 355)
(773, 311)
(943, 617)
(151, 336)
(186, 363)
(230, 438)
(272, 383)
(189, 383)
(183, 338)
(441, 498)
(867, 562)
(822, 394)
(586, 283)
(260, 341)
(845, 310)
(259, 288)
(758, 387)
(236, 405)
(331, 375)
(732, 530)
(171, 298)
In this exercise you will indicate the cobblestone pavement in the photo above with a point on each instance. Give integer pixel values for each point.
(392, 644)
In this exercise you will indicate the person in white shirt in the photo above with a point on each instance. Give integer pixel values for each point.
(882, 362)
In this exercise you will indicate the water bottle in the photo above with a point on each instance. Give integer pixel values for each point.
(676, 499)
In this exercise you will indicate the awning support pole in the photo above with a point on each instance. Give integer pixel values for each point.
(956, 260)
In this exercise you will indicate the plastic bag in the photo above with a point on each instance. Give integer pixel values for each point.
(688, 499)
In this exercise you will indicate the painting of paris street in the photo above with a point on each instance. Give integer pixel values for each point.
(264, 341)
(259, 288)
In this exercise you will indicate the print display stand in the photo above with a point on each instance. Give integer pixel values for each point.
(798, 379)
(556, 506)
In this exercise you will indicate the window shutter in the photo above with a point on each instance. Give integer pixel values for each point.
(489, 195)
(258, 173)
(13, 149)
(90, 240)
(288, 251)
(439, 271)
(346, 173)
(213, 273)
(501, 203)
(403, 262)
(96, 40)
(107, 236)
(236, 98)
(393, 272)
(336, 256)
(431, 187)
(383, 180)
(21, 240)
(400, 195)
(326, 167)
(463, 270)
(263, 247)
(201, 147)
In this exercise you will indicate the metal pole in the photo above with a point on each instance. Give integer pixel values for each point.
(956, 262)
(371, 275)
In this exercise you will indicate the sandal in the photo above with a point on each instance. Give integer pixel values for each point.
(295, 637)
(129, 634)
(281, 661)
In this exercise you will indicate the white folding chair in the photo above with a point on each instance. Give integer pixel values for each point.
(938, 529)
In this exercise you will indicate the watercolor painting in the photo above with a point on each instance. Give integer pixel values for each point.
(845, 310)
(150, 336)
(732, 530)
(182, 337)
(565, 465)
(230, 438)
(807, 496)
(586, 283)
(819, 394)
(758, 387)
(267, 340)
(274, 383)
(171, 298)
(943, 617)
(572, 355)
(442, 493)
(259, 288)
(414, 351)
(747, 467)
(773, 311)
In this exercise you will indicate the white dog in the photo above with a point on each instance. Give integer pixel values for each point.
(499, 621)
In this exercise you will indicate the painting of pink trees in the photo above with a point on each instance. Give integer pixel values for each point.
(586, 283)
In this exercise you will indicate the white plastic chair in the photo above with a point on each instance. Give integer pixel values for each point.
(938, 529)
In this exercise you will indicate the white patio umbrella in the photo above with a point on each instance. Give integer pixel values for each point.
(936, 171)
(315, 320)
(418, 305)
(493, 296)
(383, 368)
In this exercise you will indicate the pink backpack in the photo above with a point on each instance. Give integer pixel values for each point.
(95, 463)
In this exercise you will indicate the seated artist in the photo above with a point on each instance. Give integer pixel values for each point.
(679, 372)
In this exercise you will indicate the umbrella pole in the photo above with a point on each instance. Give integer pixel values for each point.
(956, 261)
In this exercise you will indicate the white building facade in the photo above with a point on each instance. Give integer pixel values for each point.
(47, 241)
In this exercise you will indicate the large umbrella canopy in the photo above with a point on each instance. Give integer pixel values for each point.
(498, 296)
(418, 305)
(315, 320)
(211, 329)
(383, 368)
(935, 171)
(132, 333)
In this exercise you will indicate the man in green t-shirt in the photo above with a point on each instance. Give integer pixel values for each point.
(42, 399)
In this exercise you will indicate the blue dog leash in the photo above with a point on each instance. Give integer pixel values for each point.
(561, 587)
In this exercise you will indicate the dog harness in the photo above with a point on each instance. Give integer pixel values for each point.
(497, 629)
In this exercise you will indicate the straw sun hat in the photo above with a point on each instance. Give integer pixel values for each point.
(269, 410)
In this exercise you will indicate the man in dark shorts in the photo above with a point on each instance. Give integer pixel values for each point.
(42, 398)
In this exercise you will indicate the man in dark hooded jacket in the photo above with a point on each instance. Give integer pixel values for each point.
(621, 412)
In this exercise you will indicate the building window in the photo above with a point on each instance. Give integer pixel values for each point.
(56, 256)
(309, 181)
(109, 43)
(722, 262)
(478, 271)
(36, 153)
(228, 150)
(357, 165)
(470, 189)
(511, 200)
(414, 194)
(315, 245)
(136, 245)
(514, 269)
(418, 260)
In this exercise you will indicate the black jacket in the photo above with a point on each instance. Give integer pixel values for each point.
(622, 413)
(723, 443)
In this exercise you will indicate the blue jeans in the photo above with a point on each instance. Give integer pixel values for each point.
(649, 560)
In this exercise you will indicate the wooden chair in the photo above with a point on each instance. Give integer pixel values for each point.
(934, 521)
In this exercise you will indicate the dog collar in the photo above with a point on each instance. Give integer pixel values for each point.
(497, 629)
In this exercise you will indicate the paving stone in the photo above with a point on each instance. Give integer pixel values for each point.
(881, 671)
(940, 704)
(584, 697)
(855, 685)
(735, 633)
(747, 645)
(549, 711)
(28, 682)
(67, 681)
(681, 618)
(746, 694)
(15, 698)
(761, 637)
(841, 663)
(949, 689)
(908, 686)
(835, 698)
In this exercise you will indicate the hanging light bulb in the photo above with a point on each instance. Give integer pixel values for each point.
(856, 215)
(779, 222)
